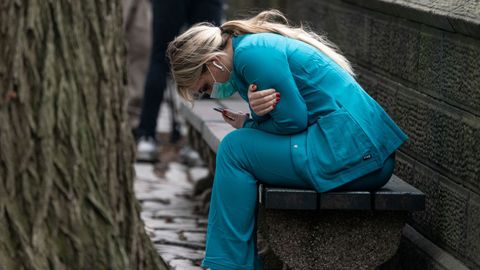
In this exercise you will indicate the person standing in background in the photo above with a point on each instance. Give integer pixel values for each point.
(169, 16)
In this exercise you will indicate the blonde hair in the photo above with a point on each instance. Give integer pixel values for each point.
(189, 52)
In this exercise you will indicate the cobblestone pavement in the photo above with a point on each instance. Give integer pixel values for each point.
(173, 218)
(171, 214)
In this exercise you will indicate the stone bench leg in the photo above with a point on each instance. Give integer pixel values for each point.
(332, 239)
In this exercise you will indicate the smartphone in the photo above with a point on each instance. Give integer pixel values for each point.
(221, 110)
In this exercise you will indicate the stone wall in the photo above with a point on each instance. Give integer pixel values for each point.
(428, 80)
(421, 61)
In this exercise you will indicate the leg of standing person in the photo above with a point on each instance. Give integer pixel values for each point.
(240, 163)
(205, 11)
(168, 17)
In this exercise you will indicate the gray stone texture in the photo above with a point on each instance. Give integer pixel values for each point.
(473, 229)
(444, 65)
(449, 68)
(460, 16)
(441, 137)
(380, 89)
(332, 239)
(430, 256)
(421, 60)
(444, 137)
(403, 259)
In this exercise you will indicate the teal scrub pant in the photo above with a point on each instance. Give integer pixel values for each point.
(244, 157)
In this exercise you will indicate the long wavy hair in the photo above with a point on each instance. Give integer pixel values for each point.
(190, 51)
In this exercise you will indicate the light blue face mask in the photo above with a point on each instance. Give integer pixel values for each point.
(221, 90)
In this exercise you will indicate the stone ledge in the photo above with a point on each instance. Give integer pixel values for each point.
(200, 113)
(448, 18)
(437, 255)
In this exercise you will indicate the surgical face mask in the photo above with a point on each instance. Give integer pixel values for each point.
(221, 90)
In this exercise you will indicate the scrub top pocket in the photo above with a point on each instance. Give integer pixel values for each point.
(336, 143)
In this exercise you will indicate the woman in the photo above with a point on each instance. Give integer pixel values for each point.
(314, 126)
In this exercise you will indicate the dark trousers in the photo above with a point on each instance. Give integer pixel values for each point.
(168, 18)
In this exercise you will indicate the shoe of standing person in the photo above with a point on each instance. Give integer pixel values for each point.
(147, 149)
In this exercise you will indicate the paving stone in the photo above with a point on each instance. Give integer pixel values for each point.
(177, 204)
(177, 176)
(145, 172)
(151, 206)
(170, 253)
(159, 235)
(179, 224)
(190, 157)
(162, 195)
(198, 173)
(184, 265)
(177, 232)
(178, 243)
(177, 238)
(174, 212)
(154, 199)
(141, 186)
(146, 214)
(194, 237)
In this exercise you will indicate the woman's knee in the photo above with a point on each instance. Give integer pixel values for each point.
(232, 143)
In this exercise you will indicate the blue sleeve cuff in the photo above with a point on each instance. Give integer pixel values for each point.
(248, 123)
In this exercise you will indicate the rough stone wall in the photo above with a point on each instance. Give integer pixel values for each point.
(425, 71)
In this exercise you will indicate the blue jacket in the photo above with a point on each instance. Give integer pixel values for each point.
(338, 132)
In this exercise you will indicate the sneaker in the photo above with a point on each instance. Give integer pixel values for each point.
(147, 149)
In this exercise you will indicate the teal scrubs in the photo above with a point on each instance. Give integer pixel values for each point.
(325, 133)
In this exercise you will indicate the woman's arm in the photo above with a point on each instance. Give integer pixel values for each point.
(262, 102)
(269, 68)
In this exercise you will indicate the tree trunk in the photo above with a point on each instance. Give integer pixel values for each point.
(66, 152)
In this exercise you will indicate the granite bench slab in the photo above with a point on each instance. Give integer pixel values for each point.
(396, 195)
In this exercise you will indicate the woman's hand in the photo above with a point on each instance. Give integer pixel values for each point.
(235, 119)
(262, 102)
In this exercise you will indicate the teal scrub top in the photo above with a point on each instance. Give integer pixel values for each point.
(338, 132)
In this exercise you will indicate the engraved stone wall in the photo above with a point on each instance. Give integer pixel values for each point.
(424, 69)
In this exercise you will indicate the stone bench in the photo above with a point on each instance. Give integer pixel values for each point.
(310, 230)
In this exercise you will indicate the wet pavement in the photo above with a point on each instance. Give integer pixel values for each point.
(174, 219)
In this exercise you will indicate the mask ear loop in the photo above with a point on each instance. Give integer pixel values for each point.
(218, 66)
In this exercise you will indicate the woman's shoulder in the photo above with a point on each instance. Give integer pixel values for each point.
(254, 50)
(258, 40)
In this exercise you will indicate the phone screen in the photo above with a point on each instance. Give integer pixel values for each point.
(221, 110)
